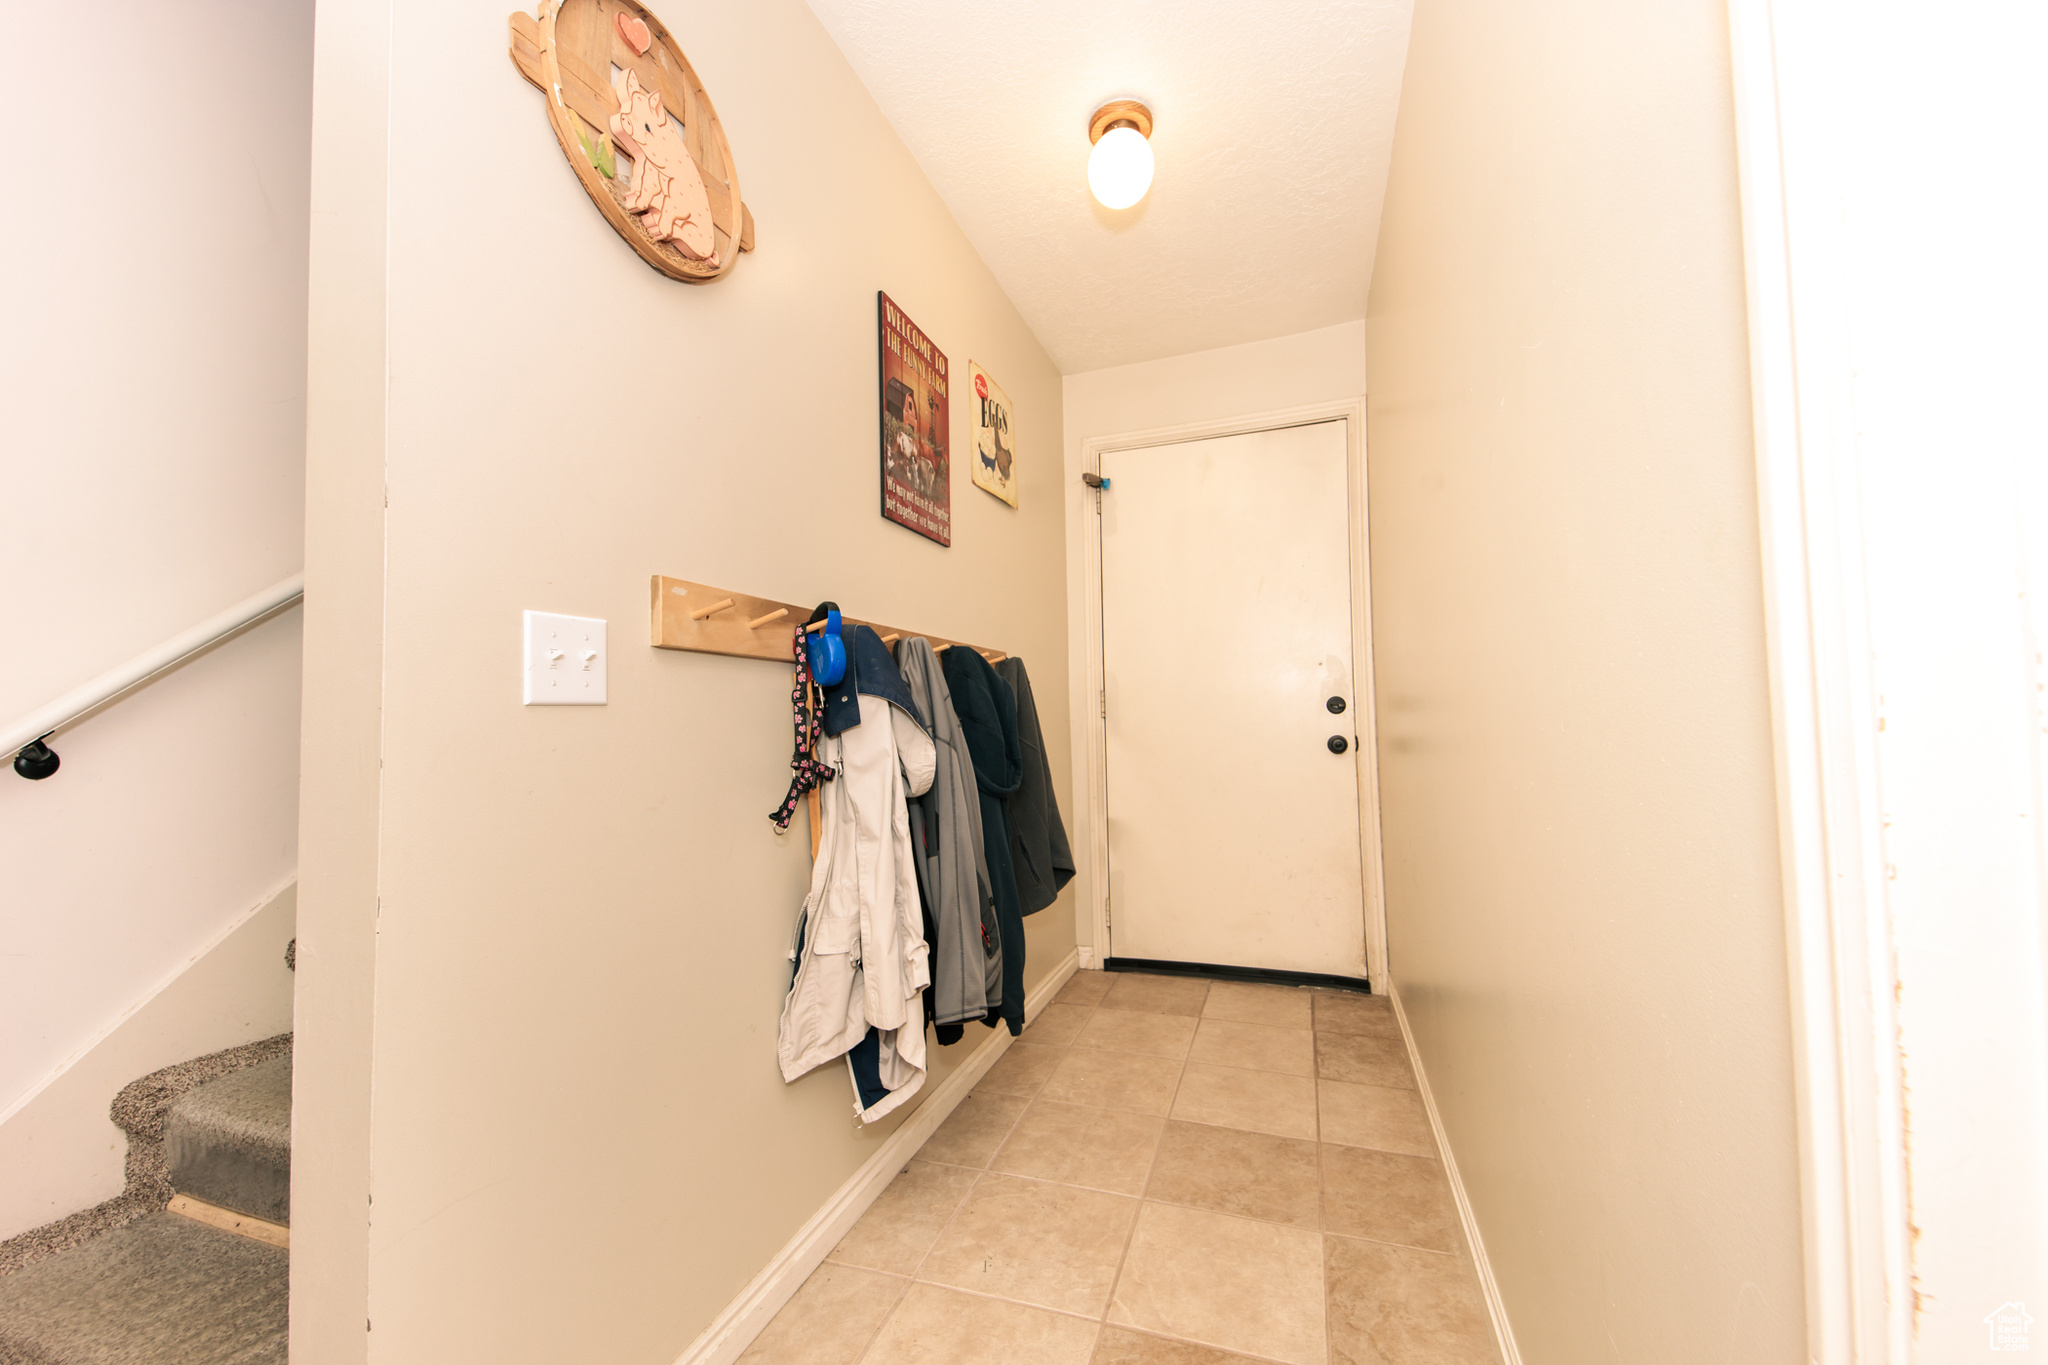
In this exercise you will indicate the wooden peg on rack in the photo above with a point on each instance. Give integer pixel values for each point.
(734, 623)
(703, 612)
(940, 649)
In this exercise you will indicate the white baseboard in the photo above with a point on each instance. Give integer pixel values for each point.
(734, 1329)
(1510, 1354)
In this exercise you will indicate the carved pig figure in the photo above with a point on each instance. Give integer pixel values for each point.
(667, 191)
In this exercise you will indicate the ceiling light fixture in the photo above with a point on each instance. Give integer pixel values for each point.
(1120, 167)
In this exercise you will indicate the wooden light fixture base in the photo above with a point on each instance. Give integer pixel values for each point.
(1119, 111)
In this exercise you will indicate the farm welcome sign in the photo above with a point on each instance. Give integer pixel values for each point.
(917, 477)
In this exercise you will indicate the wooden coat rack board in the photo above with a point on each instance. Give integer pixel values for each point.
(712, 620)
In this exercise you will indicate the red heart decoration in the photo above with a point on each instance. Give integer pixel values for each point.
(634, 30)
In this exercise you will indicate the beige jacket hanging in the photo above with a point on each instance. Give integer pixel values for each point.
(862, 960)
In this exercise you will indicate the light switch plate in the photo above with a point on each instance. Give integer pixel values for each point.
(564, 660)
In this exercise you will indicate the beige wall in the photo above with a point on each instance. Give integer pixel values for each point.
(152, 375)
(567, 928)
(1574, 733)
(1323, 366)
(154, 381)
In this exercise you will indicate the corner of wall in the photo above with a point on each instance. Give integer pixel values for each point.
(341, 739)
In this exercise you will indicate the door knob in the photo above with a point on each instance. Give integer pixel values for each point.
(1336, 705)
(1338, 744)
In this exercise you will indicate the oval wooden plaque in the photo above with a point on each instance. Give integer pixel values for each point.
(640, 132)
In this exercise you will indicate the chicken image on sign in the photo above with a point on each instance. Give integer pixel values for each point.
(917, 480)
(995, 440)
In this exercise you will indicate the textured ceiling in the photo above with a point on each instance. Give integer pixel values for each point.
(1275, 120)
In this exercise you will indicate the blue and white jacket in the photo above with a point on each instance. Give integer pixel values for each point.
(861, 960)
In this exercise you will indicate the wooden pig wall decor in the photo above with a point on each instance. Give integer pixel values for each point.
(667, 192)
(640, 132)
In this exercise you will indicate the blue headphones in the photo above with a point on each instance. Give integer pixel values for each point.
(827, 649)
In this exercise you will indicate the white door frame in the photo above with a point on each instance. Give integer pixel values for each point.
(1847, 1068)
(1373, 890)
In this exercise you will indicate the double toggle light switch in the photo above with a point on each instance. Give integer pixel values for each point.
(564, 660)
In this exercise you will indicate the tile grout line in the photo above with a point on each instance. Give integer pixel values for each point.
(986, 1296)
(1230, 1351)
(1220, 1066)
(1083, 1317)
(1461, 1255)
(1149, 1198)
(1319, 1142)
(1322, 1188)
(940, 1235)
(1186, 1061)
(1151, 1167)
(1255, 1071)
(1102, 1318)
(901, 1295)
(1457, 1256)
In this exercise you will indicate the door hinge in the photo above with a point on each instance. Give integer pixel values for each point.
(1106, 920)
(1103, 697)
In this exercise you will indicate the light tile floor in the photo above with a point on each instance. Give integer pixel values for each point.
(1163, 1171)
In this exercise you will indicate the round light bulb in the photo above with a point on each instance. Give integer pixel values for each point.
(1120, 167)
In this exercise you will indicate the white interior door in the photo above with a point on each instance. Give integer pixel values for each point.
(1226, 645)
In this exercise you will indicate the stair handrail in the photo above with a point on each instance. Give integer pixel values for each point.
(45, 721)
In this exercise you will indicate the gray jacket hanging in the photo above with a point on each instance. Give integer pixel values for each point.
(966, 958)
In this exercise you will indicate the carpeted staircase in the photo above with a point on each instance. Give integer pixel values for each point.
(229, 1142)
(128, 1281)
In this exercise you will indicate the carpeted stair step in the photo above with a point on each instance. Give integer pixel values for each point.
(139, 1111)
(229, 1142)
(125, 1283)
(163, 1290)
